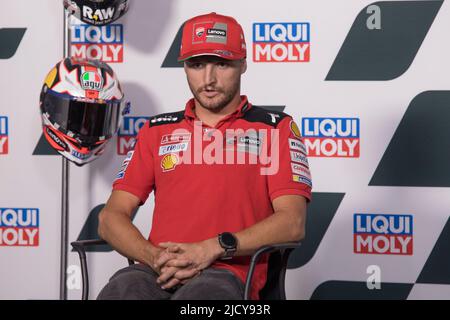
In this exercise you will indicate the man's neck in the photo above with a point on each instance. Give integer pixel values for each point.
(212, 118)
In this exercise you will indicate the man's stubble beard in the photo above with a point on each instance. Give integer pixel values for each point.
(216, 106)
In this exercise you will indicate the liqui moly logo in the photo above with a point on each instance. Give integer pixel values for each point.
(281, 42)
(383, 234)
(331, 137)
(19, 227)
(103, 43)
(3, 135)
(127, 133)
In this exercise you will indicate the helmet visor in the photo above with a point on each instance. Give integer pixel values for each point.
(89, 120)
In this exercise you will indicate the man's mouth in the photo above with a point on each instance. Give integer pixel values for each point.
(210, 93)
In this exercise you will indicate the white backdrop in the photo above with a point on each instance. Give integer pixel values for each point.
(149, 29)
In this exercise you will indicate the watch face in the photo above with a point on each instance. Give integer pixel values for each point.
(228, 240)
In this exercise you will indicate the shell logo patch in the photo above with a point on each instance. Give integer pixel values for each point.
(294, 128)
(169, 162)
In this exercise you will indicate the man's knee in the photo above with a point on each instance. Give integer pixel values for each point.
(136, 282)
(211, 284)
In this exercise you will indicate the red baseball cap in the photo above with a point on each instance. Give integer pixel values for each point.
(212, 34)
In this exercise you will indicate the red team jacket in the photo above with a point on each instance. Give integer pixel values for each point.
(211, 180)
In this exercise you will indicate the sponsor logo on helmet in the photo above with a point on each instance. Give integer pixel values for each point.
(4, 135)
(80, 155)
(60, 145)
(19, 227)
(91, 80)
(281, 42)
(99, 16)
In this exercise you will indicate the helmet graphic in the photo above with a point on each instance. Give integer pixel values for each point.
(81, 106)
(97, 12)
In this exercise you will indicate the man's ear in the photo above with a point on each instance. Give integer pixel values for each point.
(243, 66)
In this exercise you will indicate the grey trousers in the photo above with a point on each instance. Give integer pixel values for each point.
(138, 282)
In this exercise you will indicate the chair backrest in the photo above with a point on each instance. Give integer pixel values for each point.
(276, 270)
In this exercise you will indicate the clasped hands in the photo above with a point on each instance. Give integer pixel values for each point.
(177, 263)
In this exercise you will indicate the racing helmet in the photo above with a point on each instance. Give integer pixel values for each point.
(81, 105)
(97, 12)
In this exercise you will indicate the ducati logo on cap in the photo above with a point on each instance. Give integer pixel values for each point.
(199, 32)
(91, 80)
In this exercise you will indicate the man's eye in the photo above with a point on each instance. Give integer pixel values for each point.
(195, 65)
(222, 64)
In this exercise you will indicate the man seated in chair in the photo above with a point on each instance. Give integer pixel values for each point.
(228, 177)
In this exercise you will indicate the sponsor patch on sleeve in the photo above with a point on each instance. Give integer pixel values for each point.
(295, 144)
(300, 170)
(299, 158)
(301, 179)
(124, 166)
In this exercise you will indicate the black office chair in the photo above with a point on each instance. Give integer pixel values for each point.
(273, 290)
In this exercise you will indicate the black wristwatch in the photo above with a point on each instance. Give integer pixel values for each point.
(229, 243)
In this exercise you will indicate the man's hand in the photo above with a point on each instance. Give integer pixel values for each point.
(167, 254)
(179, 271)
(190, 257)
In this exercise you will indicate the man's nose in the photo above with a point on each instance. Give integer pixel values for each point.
(210, 74)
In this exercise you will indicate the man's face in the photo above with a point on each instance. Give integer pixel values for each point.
(214, 81)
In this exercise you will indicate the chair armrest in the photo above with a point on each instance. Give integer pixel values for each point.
(79, 246)
(85, 243)
(284, 248)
